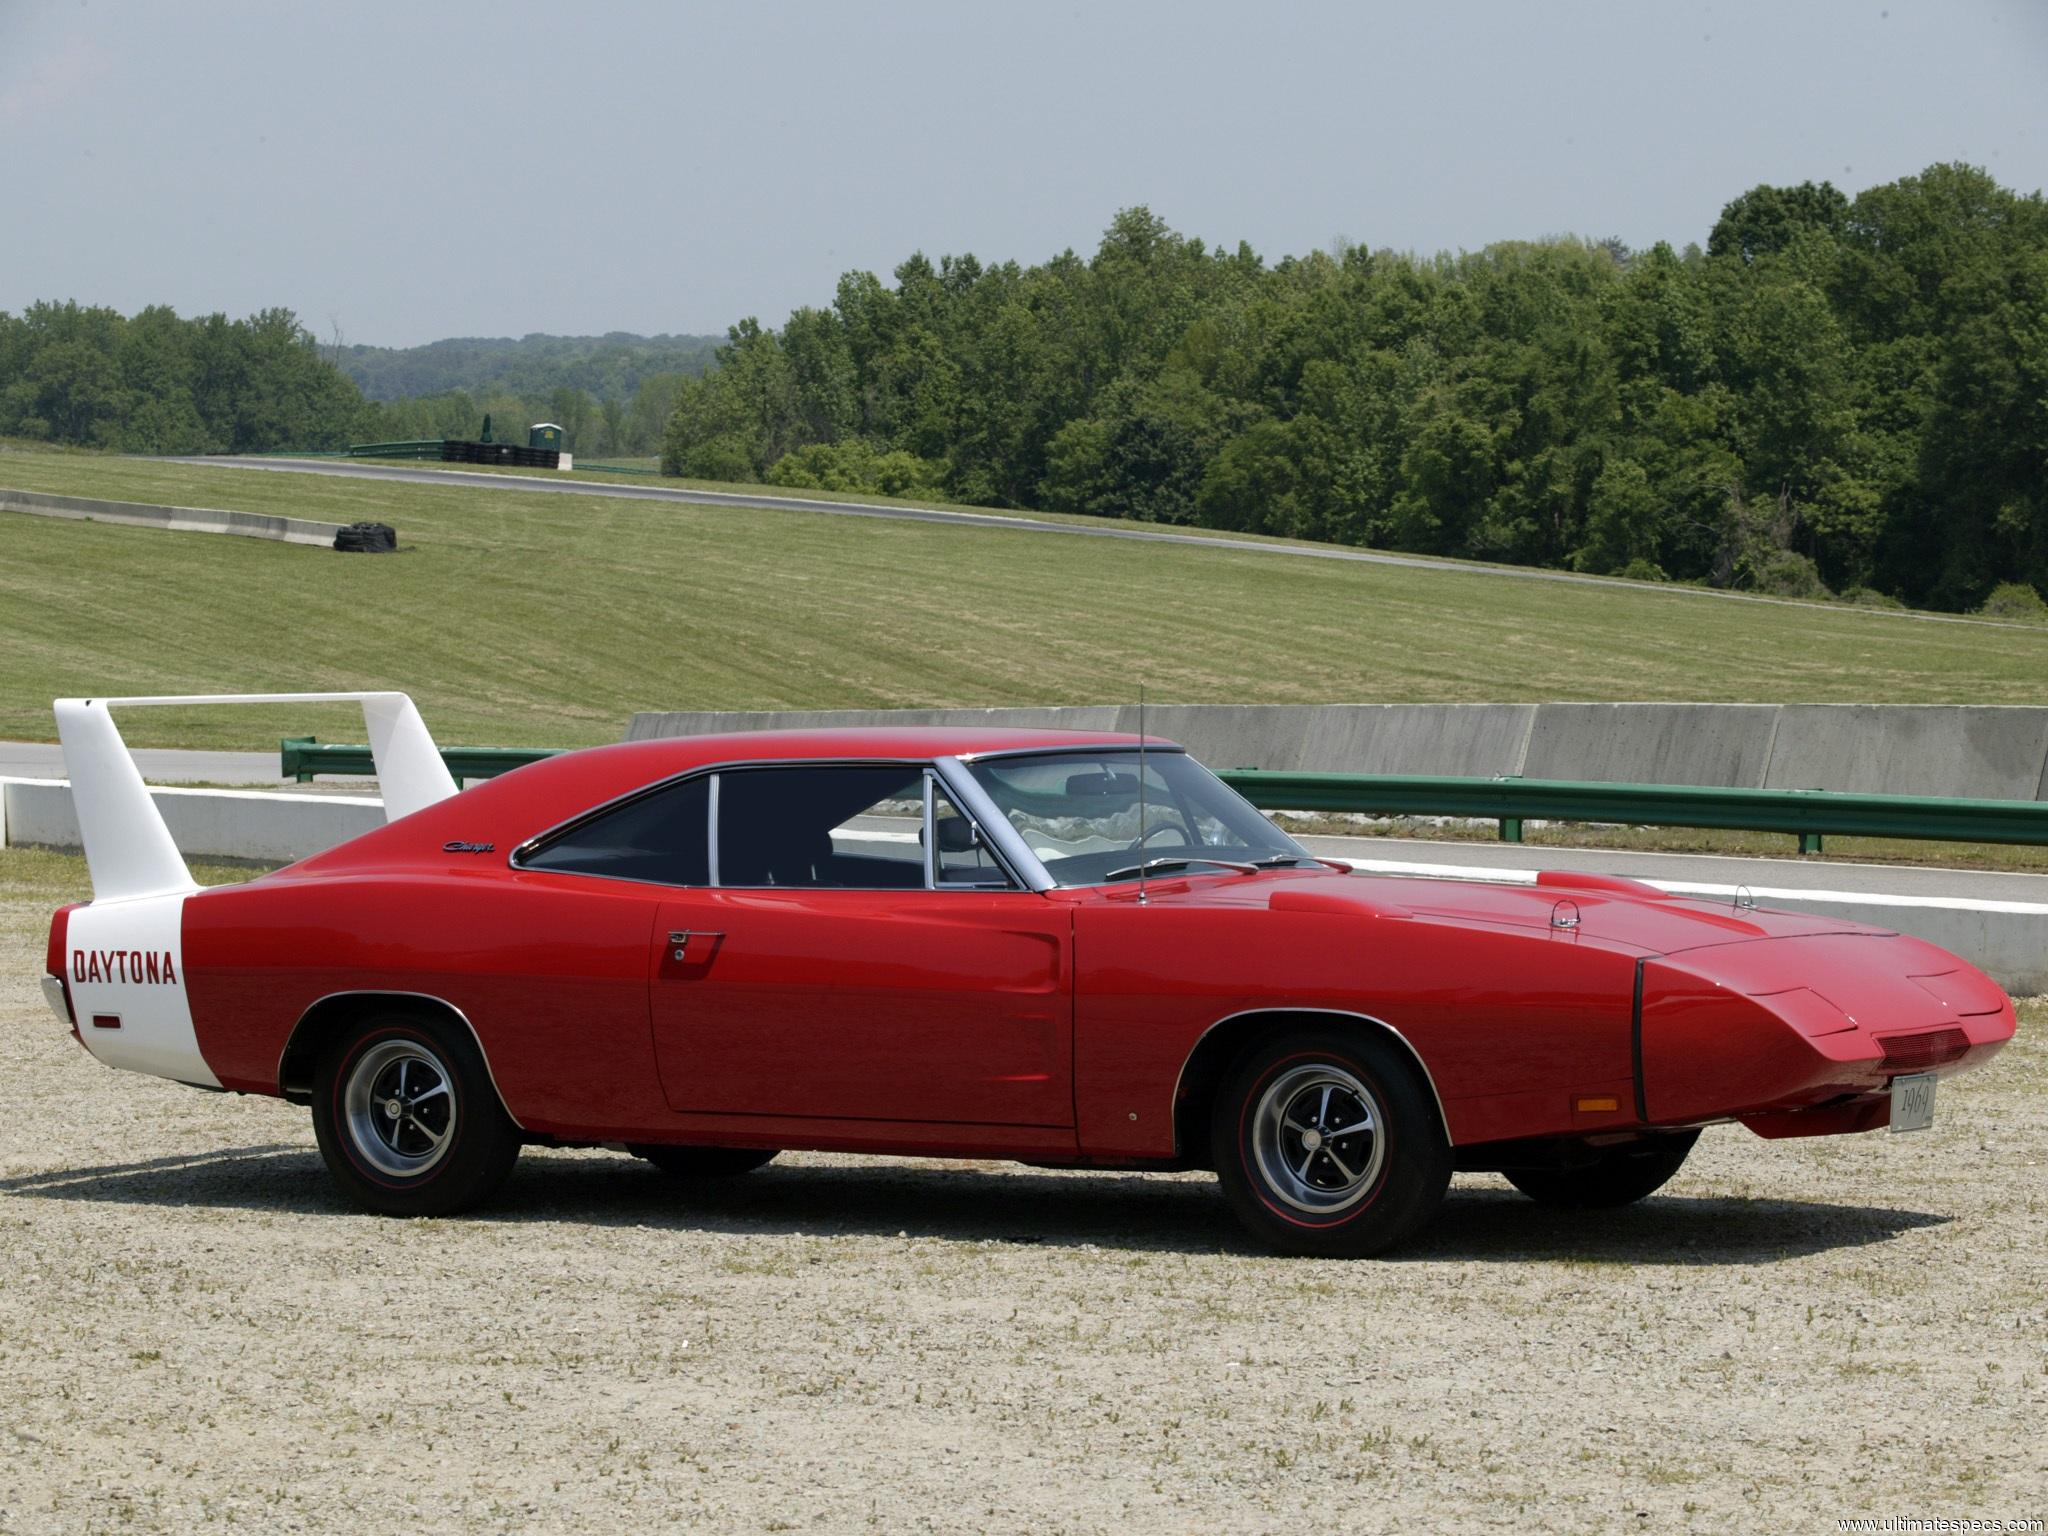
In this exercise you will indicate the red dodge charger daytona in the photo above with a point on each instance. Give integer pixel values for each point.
(1071, 950)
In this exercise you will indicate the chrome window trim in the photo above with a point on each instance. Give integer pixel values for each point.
(710, 836)
(927, 842)
(712, 771)
(425, 997)
(1005, 840)
(591, 874)
(1421, 1066)
(935, 783)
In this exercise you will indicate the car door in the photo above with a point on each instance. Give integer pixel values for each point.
(836, 968)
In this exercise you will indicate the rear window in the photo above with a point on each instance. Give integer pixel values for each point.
(663, 837)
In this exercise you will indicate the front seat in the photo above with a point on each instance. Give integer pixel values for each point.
(802, 856)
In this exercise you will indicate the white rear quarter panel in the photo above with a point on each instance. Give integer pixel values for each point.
(126, 961)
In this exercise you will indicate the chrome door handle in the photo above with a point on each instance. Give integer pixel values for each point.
(680, 937)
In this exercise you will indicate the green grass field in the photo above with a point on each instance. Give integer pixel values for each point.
(522, 619)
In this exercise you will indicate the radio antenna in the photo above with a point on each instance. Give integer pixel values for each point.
(1143, 849)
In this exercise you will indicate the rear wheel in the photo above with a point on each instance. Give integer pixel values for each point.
(407, 1119)
(1620, 1175)
(703, 1162)
(1329, 1144)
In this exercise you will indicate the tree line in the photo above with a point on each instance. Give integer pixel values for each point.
(609, 367)
(1837, 393)
(157, 383)
(611, 395)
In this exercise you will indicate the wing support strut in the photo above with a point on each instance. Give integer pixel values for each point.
(127, 846)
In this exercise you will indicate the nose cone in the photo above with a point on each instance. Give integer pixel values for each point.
(1789, 1023)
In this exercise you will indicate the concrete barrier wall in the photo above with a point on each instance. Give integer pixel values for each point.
(1717, 745)
(708, 722)
(205, 823)
(1994, 754)
(1359, 738)
(1990, 752)
(1409, 738)
(2008, 939)
(255, 525)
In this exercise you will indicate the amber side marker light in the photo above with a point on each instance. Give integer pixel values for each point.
(1595, 1105)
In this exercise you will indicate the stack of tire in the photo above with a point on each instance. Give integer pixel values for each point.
(367, 539)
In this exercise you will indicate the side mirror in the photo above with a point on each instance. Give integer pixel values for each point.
(957, 834)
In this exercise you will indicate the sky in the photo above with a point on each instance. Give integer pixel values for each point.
(398, 173)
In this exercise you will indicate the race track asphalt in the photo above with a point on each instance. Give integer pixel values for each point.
(159, 765)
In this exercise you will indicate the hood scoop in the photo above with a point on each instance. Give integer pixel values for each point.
(1346, 903)
(1606, 885)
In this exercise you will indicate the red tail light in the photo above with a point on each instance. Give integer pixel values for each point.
(1930, 1048)
(56, 964)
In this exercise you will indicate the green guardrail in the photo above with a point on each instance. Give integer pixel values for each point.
(616, 469)
(417, 448)
(301, 757)
(1807, 814)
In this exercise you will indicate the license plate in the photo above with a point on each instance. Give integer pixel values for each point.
(1913, 1102)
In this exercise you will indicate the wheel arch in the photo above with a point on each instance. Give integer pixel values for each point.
(328, 1016)
(1201, 1075)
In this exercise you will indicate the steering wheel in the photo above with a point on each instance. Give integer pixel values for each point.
(1175, 828)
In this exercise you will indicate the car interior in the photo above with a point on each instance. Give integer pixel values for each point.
(843, 826)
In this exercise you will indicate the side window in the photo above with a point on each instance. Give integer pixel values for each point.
(963, 856)
(850, 827)
(663, 837)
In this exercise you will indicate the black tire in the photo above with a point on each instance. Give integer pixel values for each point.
(703, 1162)
(450, 1144)
(1363, 1191)
(1622, 1174)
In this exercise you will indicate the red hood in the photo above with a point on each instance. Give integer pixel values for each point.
(1822, 1014)
(1622, 913)
(1594, 909)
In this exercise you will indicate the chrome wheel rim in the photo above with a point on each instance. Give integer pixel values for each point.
(399, 1105)
(1318, 1136)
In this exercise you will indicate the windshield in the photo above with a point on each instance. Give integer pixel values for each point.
(1080, 813)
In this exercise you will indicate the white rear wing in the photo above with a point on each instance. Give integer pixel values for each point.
(127, 846)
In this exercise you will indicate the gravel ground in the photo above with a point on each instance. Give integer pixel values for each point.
(193, 1334)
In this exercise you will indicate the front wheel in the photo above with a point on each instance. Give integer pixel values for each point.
(1618, 1175)
(407, 1119)
(1328, 1144)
